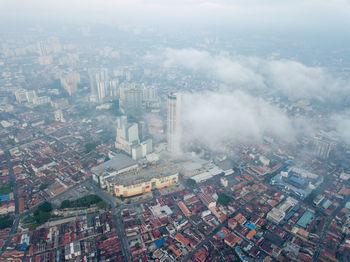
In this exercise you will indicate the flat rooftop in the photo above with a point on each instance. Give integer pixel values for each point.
(144, 174)
(120, 161)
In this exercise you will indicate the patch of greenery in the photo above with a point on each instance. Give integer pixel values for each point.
(91, 146)
(33, 226)
(223, 199)
(43, 213)
(5, 189)
(267, 178)
(86, 201)
(102, 205)
(65, 204)
(6, 221)
(41, 217)
(43, 186)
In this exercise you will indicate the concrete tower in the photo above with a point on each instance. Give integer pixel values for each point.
(174, 122)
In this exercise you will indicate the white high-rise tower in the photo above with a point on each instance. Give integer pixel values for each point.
(174, 122)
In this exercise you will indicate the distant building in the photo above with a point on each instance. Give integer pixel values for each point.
(127, 135)
(40, 100)
(59, 116)
(174, 123)
(150, 94)
(209, 172)
(276, 215)
(297, 181)
(60, 103)
(31, 96)
(21, 96)
(141, 150)
(133, 99)
(101, 85)
(128, 139)
(25, 96)
(208, 201)
(144, 180)
(321, 147)
(72, 250)
(120, 163)
(70, 82)
(42, 48)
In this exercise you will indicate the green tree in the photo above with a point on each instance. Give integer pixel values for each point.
(85, 201)
(65, 204)
(91, 146)
(102, 205)
(223, 199)
(41, 217)
(6, 221)
(45, 207)
(43, 186)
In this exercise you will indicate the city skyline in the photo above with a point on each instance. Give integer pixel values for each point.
(199, 130)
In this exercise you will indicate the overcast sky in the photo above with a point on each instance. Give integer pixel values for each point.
(299, 14)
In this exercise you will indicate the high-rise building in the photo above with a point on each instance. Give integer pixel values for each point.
(150, 93)
(42, 48)
(128, 139)
(322, 148)
(114, 89)
(133, 99)
(127, 135)
(141, 150)
(70, 82)
(31, 96)
(99, 84)
(59, 116)
(21, 96)
(174, 122)
(40, 100)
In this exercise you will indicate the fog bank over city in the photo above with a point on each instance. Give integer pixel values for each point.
(174, 130)
(246, 107)
(215, 118)
(283, 77)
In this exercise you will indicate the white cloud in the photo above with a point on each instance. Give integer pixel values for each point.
(234, 72)
(341, 123)
(284, 77)
(214, 118)
(237, 115)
